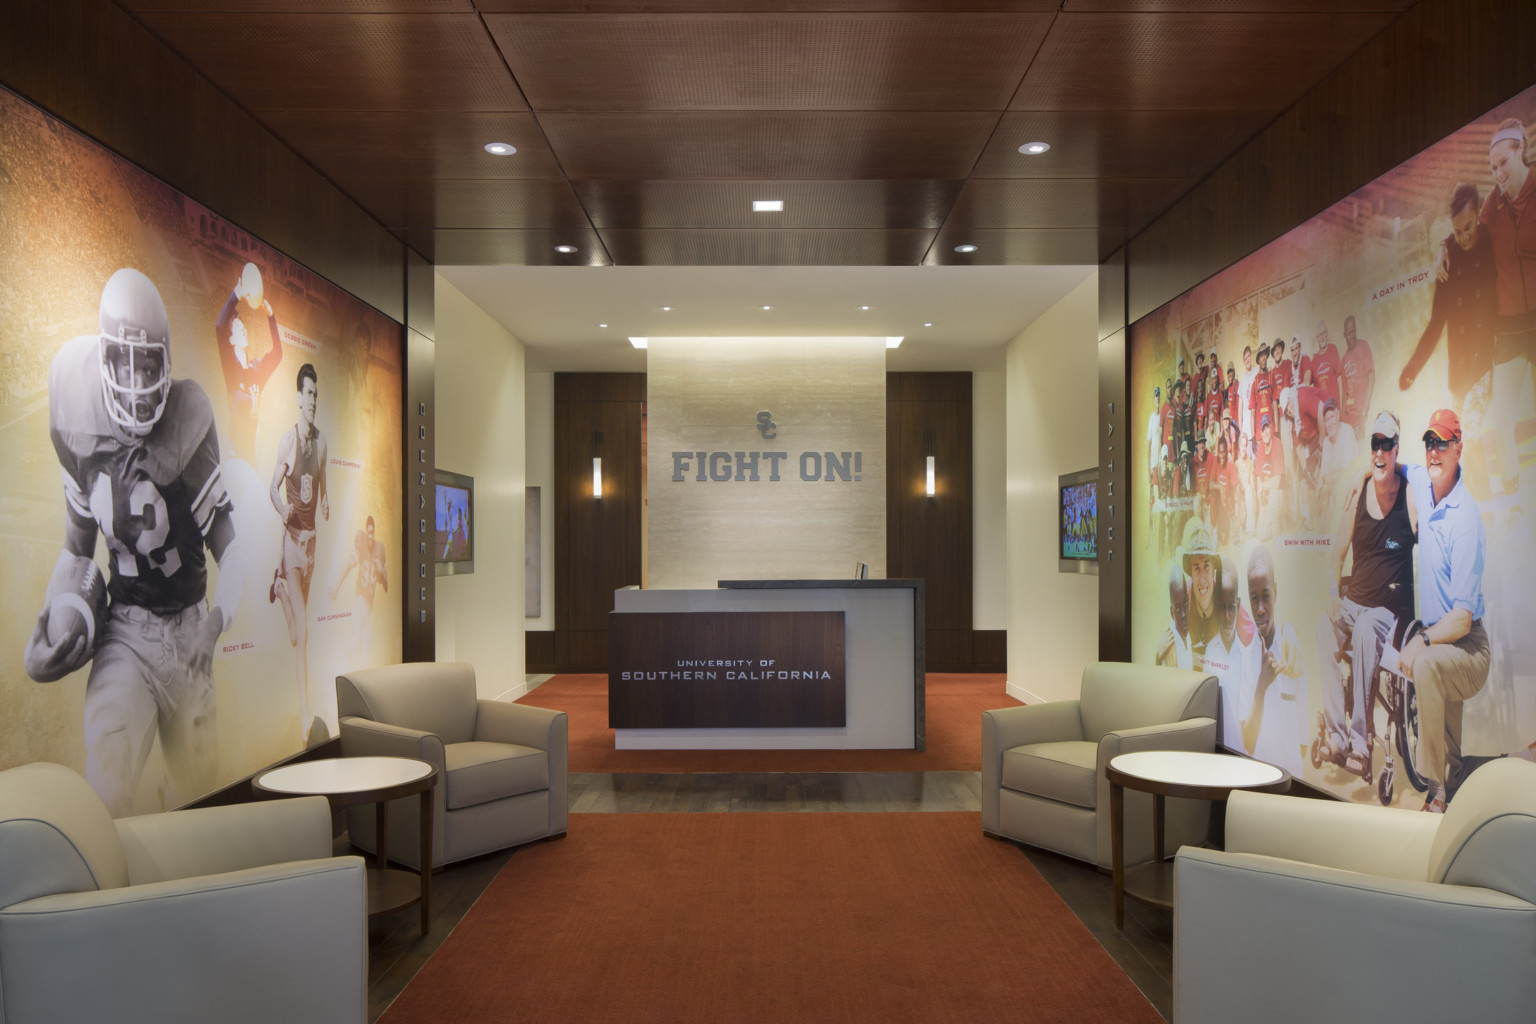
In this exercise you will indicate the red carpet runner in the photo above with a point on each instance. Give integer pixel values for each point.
(714, 918)
(954, 706)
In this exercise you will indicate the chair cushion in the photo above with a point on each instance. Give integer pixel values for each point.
(479, 772)
(1063, 771)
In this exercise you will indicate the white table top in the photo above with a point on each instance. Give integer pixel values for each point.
(1190, 768)
(343, 775)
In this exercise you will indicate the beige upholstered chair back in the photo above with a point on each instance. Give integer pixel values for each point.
(1488, 835)
(434, 697)
(1117, 696)
(55, 836)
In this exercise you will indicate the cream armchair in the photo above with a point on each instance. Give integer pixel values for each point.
(501, 767)
(1042, 766)
(233, 914)
(1323, 910)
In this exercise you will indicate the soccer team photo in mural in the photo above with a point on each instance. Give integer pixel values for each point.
(193, 427)
(1334, 492)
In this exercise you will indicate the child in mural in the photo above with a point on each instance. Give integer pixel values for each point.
(1272, 702)
(298, 492)
(141, 467)
(367, 556)
(1230, 655)
(1173, 648)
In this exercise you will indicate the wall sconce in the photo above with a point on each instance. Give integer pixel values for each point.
(597, 478)
(930, 476)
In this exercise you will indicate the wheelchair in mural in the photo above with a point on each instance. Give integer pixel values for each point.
(1393, 694)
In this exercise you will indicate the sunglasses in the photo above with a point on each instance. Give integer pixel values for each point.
(1438, 444)
(1383, 444)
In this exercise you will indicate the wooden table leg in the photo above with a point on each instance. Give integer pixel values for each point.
(381, 832)
(426, 857)
(1157, 827)
(1117, 844)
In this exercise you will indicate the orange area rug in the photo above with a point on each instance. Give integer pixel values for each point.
(954, 706)
(706, 918)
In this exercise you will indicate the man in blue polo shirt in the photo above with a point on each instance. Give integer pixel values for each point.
(1448, 661)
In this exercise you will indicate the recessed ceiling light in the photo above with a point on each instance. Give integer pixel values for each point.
(767, 206)
(666, 309)
(639, 342)
(767, 307)
(565, 248)
(1034, 148)
(965, 248)
(894, 342)
(864, 307)
(602, 325)
(928, 325)
(500, 148)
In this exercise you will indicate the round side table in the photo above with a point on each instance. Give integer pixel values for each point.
(348, 781)
(1178, 773)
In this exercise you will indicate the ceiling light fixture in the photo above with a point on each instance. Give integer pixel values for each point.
(666, 309)
(766, 308)
(767, 206)
(639, 342)
(894, 342)
(965, 248)
(602, 325)
(500, 148)
(565, 248)
(928, 325)
(865, 308)
(1034, 148)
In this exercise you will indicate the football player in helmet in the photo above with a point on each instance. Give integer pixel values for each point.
(298, 492)
(245, 377)
(140, 462)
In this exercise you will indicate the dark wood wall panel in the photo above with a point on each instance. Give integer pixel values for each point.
(1114, 494)
(930, 538)
(95, 66)
(1441, 64)
(597, 541)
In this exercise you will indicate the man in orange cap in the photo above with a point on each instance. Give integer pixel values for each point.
(1448, 661)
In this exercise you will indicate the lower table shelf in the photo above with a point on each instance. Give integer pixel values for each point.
(391, 889)
(1151, 884)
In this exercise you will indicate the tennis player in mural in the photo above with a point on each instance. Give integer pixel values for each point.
(299, 496)
(140, 460)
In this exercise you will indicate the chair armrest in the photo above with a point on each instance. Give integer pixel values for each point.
(1197, 734)
(1259, 939)
(1006, 728)
(1354, 837)
(363, 737)
(499, 721)
(212, 840)
(286, 942)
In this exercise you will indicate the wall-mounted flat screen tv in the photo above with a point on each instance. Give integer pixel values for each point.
(455, 523)
(1077, 521)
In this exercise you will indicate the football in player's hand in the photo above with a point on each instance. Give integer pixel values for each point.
(79, 606)
(250, 285)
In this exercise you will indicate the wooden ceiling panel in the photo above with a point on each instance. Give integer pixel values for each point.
(1117, 143)
(1139, 61)
(1016, 246)
(1065, 202)
(769, 61)
(750, 6)
(807, 204)
(383, 148)
(345, 61)
(768, 145)
(300, 6)
(520, 204)
(517, 248)
(1239, 6)
(725, 248)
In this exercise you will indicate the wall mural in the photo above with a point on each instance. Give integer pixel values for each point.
(1335, 487)
(201, 442)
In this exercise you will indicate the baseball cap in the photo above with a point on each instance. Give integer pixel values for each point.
(1264, 421)
(1183, 447)
(1386, 424)
(1445, 425)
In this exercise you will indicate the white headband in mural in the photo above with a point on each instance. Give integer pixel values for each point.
(1511, 134)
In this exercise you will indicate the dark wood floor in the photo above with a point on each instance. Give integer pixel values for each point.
(1144, 950)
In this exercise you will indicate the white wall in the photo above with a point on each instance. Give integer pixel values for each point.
(1052, 369)
(539, 420)
(480, 392)
(989, 499)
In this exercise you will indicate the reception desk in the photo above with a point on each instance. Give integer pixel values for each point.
(850, 675)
